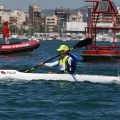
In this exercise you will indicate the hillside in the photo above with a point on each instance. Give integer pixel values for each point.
(83, 10)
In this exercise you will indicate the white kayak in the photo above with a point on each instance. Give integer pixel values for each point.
(14, 74)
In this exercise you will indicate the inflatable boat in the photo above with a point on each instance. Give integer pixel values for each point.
(19, 47)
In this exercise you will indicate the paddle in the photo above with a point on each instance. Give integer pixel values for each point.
(81, 43)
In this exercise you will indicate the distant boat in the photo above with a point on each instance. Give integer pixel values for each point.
(105, 38)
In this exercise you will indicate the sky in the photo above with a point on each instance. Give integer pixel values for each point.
(46, 4)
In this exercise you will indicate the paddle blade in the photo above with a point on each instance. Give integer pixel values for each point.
(83, 43)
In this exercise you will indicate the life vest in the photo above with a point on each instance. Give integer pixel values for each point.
(63, 64)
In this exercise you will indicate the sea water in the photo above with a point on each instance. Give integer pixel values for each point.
(57, 100)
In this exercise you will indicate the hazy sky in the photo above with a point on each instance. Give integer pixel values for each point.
(46, 4)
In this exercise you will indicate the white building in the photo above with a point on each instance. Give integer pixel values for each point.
(75, 26)
(50, 22)
(118, 8)
(77, 17)
(21, 18)
(15, 17)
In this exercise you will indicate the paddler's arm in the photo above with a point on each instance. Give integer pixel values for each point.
(73, 56)
(49, 64)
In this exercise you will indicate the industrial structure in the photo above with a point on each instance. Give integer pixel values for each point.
(102, 16)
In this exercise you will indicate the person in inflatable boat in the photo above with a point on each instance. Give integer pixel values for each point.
(6, 33)
(67, 62)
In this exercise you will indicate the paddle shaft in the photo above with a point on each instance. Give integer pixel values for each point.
(28, 70)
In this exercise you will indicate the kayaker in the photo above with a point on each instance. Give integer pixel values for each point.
(67, 62)
(6, 33)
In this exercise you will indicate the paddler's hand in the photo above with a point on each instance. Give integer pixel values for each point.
(41, 64)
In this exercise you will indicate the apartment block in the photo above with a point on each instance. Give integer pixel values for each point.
(34, 16)
(76, 17)
(50, 23)
(15, 17)
(63, 14)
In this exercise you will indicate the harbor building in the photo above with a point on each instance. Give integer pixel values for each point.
(15, 17)
(63, 15)
(50, 23)
(76, 17)
(34, 17)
